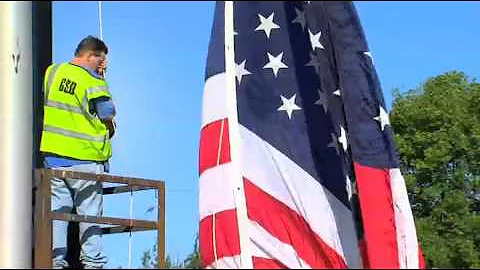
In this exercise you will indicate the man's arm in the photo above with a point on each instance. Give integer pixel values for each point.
(105, 110)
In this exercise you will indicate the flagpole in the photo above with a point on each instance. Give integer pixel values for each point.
(16, 136)
(100, 25)
(235, 142)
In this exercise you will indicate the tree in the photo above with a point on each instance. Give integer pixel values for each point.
(437, 132)
(193, 259)
(149, 259)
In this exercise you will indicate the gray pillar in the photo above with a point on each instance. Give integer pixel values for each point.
(16, 138)
(41, 58)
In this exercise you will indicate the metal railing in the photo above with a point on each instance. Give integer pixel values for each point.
(44, 215)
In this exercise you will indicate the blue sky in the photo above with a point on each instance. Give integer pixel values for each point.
(156, 74)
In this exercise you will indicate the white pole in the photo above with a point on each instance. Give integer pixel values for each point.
(16, 134)
(235, 142)
(100, 19)
(100, 26)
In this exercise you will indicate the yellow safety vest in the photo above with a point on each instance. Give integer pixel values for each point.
(69, 129)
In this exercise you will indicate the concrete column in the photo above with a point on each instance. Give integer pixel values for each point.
(16, 136)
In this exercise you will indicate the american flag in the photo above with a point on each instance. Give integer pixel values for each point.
(278, 187)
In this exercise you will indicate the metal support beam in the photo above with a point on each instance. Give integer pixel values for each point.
(43, 224)
(161, 227)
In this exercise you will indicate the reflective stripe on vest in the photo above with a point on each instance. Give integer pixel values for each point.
(96, 89)
(73, 134)
(83, 110)
(63, 106)
(53, 71)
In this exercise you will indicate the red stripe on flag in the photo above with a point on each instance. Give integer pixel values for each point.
(378, 217)
(421, 259)
(289, 227)
(210, 156)
(363, 252)
(264, 263)
(226, 236)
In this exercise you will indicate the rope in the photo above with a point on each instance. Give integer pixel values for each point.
(100, 26)
(214, 236)
(130, 233)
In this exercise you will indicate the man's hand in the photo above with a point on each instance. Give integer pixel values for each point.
(102, 69)
(112, 126)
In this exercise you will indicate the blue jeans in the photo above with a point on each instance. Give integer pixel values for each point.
(86, 196)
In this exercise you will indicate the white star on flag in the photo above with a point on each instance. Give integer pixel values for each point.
(334, 143)
(315, 40)
(313, 63)
(337, 92)
(343, 138)
(275, 63)
(382, 118)
(240, 71)
(322, 100)
(288, 105)
(300, 18)
(349, 187)
(266, 24)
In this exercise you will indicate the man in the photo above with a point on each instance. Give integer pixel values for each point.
(77, 128)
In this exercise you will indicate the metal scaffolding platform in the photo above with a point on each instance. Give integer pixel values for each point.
(44, 215)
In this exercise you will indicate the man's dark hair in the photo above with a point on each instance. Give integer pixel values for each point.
(92, 44)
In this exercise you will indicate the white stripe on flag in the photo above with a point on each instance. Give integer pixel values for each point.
(215, 191)
(406, 233)
(265, 245)
(214, 99)
(226, 263)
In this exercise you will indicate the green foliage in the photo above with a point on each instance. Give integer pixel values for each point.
(193, 259)
(437, 131)
(149, 259)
